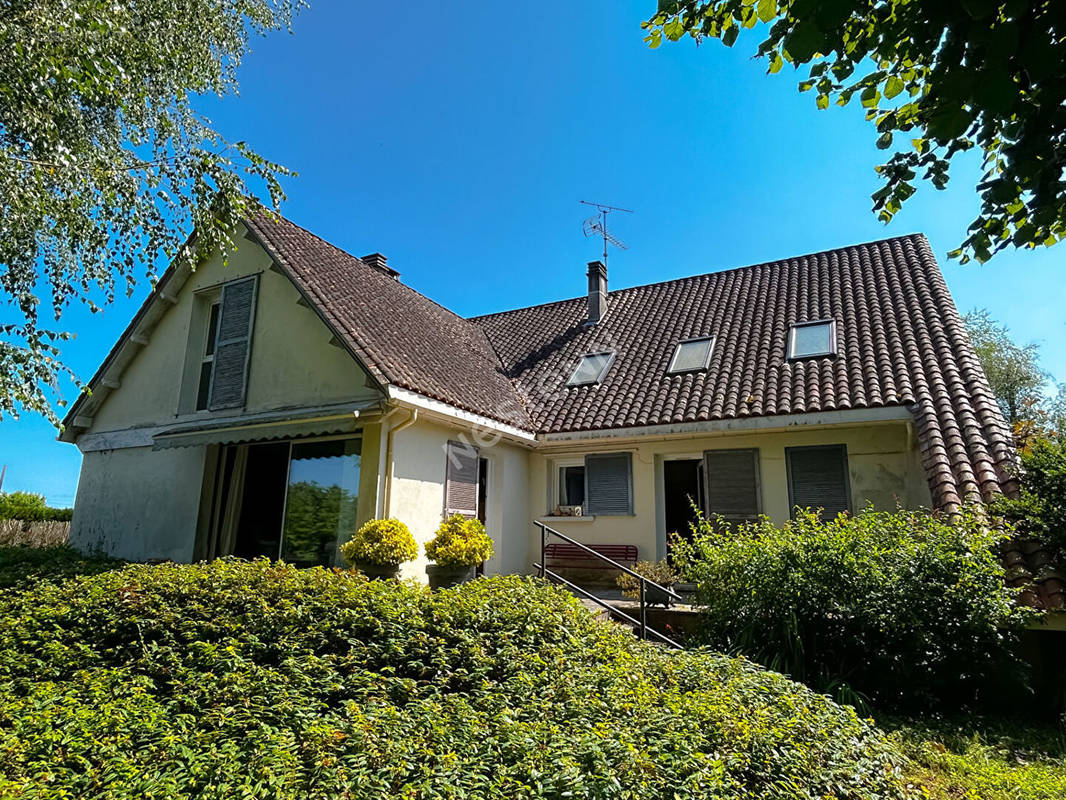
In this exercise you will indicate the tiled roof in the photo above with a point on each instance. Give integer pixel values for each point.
(901, 342)
(401, 336)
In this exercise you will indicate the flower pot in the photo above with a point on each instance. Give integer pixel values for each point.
(655, 596)
(378, 572)
(445, 576)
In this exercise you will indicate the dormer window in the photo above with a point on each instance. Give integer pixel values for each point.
(591, 369)
(692, 355)
(812, 339)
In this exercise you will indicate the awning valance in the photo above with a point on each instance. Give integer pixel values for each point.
(322, 421)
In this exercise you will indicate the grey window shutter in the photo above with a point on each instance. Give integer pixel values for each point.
(609, 484)
(733, 488)
(229, 378)
(461, 480)
(818, 478)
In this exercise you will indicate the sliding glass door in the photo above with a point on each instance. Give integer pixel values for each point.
(321, 501)
(297, 501)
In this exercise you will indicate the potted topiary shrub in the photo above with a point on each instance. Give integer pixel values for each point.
(379, 547)
(659, 572)
(459, 545)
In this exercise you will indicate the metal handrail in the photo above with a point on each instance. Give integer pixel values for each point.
(607, 606)
(642, 582)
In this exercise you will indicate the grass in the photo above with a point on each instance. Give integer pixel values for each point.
(977, 758)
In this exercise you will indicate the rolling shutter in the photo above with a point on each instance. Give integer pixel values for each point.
(460, 484)
(733, 489)
(229, 377)
(818, 478)
(609, 484)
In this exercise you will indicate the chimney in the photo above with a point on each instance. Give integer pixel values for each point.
(380, 263)
(597, 292)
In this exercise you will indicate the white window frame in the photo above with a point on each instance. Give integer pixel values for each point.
(832, 351)
(205, 357)
(599, 376)
(671, 370)
(558, 465)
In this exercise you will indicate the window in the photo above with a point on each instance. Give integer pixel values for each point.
(812, 339)
(733, 484)
(462, 476)
(207, 363)
(818, 478)
(572, 485)
(591, 369)
(692, 355)
(321, 501)
(609, 484)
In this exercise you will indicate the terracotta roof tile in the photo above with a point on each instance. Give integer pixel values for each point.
(901, 342)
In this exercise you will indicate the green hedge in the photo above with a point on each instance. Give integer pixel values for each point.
(902, 611)
(31, 507)
(237, 679)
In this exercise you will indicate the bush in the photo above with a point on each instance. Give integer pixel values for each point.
(381, 542)
(31, 508)
(900, 609)
(22, 566)
(1040, 511)
(256, 679)
(460, 542)
(659, 572)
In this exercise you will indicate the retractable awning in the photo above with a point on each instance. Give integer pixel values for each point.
(294, 424)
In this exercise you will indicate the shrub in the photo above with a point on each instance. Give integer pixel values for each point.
(1040, 511)
(256, 679)
(659, 572)
(382, 542)
(902, 609)
(31, 507)
(460, 542)
(20, 566)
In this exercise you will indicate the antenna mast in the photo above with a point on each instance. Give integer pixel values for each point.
(597, 226)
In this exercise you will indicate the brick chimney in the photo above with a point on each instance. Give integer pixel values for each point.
(597, 292)
(380, 263)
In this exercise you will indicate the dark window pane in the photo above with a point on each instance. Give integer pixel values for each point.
(572, 486)
(204, 389)
(818, 478)
(212, 330)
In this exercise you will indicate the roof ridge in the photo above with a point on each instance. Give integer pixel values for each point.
(772, 262)
(357, 258)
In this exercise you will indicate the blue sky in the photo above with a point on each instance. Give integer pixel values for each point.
(458, 138)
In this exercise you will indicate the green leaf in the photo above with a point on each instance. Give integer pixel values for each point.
(767, 10)
(893, 86)
(823, 101)
(804, 41)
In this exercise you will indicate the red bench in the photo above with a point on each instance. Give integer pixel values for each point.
(625, 554)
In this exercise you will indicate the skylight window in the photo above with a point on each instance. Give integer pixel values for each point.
(591, 369)
(692, 355)
(812, 339)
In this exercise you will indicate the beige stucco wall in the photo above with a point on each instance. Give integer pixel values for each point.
(138, 504)
(882, 460)
(417, 494)
(292, 363)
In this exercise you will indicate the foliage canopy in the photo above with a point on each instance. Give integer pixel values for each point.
(1040, 509)
(253, 679)
(104, 164)
(460, 542)
(945, 76)
(382, 542)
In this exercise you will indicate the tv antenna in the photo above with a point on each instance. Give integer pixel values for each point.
(597, 226)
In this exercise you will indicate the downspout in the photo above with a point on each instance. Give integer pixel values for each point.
(393, 429)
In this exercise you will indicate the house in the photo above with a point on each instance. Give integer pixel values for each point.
(270, 406)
